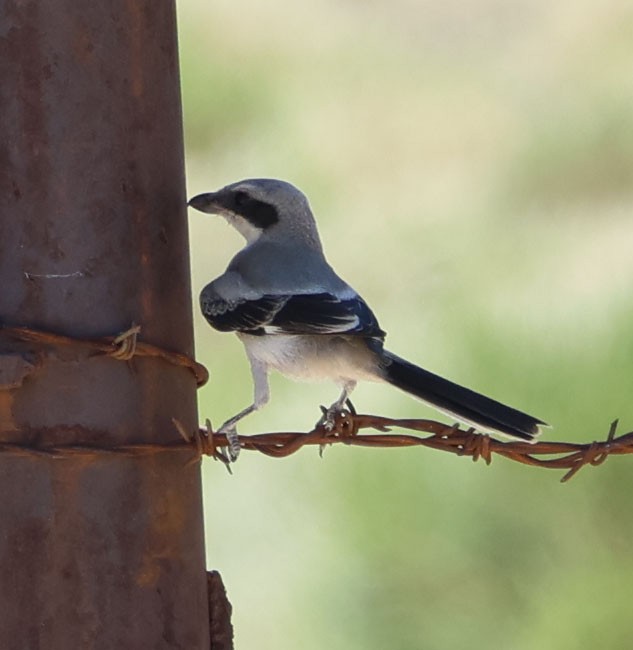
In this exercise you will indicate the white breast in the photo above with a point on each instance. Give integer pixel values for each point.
(314, 358)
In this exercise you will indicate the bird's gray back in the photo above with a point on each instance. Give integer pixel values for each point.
(278, 268)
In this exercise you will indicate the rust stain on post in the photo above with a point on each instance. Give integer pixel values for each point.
(95, 552)
(14, 368)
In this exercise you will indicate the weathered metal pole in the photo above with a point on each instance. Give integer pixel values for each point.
(97, 551)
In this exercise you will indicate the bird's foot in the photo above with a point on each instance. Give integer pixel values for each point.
(327, 421)
(232, 438)
(329, 416)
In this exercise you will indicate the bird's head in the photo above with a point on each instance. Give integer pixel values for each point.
(261, 206)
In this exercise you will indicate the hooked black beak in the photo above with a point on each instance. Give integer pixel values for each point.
(205, 202)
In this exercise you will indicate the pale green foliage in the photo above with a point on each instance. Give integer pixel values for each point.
(471, 168)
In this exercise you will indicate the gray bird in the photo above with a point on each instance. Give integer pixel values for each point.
(294, 314)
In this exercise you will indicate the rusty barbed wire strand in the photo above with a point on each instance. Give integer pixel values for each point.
(123, 347)
(450, 438)
(346, 430)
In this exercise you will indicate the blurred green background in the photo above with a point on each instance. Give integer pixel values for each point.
(471, 168)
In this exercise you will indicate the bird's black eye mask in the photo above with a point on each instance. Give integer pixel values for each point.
(259, 213)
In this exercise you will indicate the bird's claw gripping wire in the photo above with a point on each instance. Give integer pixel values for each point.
(233, 441)
(335, 420)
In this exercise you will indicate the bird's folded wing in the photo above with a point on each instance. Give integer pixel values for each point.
(310, 313)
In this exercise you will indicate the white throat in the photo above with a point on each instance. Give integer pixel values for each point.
(245, 228)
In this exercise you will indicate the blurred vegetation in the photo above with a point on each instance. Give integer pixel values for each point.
(471, 168)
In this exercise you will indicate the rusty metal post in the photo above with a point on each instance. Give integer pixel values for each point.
(96, 551)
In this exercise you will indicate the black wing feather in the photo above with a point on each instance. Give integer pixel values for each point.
(246, 316)
(323, 313)
(311, 313)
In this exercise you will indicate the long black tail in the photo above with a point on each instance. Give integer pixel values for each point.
(464, 404)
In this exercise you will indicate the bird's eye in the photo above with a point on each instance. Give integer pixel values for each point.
(240, 198)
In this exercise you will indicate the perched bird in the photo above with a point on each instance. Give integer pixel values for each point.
(294, 314)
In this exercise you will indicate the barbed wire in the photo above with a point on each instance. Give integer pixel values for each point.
(123, 347)
(347, 426)
(448, 438)
(346, 429)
